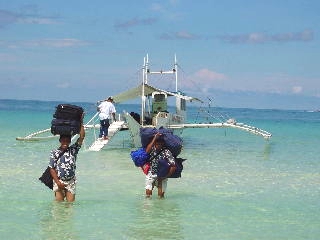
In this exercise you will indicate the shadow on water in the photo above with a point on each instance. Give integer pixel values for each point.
(156, 219)
(57, 221)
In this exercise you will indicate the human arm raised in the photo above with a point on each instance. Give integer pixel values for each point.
(152, 142)
(82, 133)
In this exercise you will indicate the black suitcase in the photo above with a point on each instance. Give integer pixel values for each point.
(65, 127)
(68, 111)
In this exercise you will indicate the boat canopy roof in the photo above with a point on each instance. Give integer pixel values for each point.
(148, 90)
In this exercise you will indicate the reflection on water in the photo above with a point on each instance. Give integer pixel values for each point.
(57, 221)
(156, 219)
(267, 150)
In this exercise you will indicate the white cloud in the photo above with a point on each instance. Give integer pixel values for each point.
(125, 25)
(56, 43)
(63, 85)
(157, 7)
(297, 89)
(207, 75)
(49, 43)
(9, 17)
(204, 79)
(254, 38)
(37, 20)
(179, 35)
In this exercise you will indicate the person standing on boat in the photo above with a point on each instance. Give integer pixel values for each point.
(156, 149)
(106, 110)
(63, 166)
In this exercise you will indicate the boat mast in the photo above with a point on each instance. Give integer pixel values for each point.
(144, 81)
(175, 70)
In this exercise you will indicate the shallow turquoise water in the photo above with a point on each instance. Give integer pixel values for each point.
(234, 185)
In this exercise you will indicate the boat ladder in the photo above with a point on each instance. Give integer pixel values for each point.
(99, 143)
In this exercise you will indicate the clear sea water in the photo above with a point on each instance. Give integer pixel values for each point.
(234, 185)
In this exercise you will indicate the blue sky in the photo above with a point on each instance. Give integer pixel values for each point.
(256, 54)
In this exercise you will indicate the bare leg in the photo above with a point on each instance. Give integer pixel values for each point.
(148, 193)
(160, 192)
(149, 181)
(70, 197)
(59, 195)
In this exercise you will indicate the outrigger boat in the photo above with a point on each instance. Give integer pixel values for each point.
(154, 109)
(154, 112)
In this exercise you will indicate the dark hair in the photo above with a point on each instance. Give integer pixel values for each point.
(65, 136)
(160, 140)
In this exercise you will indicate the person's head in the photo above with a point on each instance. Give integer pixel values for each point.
(65, 141)
(110, 99)
(159, 143)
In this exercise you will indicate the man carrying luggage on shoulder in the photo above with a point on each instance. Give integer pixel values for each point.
(156, 149)
(106, 110)
(63, 166)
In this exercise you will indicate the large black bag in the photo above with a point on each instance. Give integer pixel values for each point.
(46, 178)
(65, 127)
(68, 111)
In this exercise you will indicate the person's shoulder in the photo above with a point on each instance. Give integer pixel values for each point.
(54, 150)
(102, 104)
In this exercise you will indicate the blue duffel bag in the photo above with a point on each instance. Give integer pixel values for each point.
(146, 135)
(139, 157)
(172, 142)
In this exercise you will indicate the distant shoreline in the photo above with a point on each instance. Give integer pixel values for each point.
(132, 104)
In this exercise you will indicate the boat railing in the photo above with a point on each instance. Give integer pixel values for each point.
(90, 124)
(94, 123)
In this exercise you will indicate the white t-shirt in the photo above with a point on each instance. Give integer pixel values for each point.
(106, 109)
